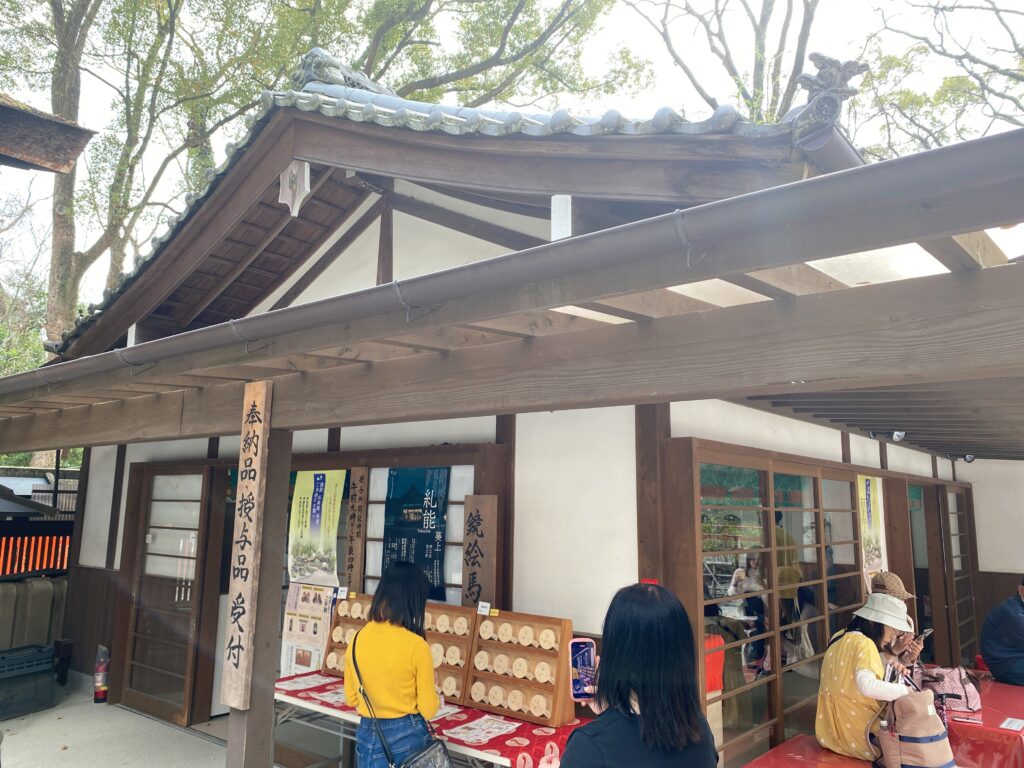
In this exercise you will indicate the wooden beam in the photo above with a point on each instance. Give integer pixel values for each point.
(386, 246)
(844, 438)
(184, 318)
(909, 198)
(786, 282)
(460, 222)
(539, 210)
(657, 169)
(946, 327)
(971, 250)
(331, 255)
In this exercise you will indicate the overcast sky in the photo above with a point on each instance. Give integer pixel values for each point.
(840, 29)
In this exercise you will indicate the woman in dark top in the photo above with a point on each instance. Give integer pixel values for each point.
(646, 690)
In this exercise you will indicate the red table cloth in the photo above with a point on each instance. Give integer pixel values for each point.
(524, 747)
(987, 744)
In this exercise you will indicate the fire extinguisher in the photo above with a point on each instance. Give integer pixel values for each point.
(99, 675)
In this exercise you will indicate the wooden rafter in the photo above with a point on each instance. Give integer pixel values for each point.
(971, 250)
(184, 318)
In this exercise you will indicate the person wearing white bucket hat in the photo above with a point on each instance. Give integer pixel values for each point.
(853, 686)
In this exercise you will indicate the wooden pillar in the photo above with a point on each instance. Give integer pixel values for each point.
(505, 434)
(898, 537)
(935, 466)
(386, 242)
(844, 438)
(883, 454)
(115, 505)
(653, 430)
(952, 464)
(257, 554)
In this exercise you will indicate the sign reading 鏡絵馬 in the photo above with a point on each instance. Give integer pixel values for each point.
(480, 550)
(415, 520)
(245, 545)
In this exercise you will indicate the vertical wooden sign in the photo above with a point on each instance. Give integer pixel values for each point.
(355, 545)
(246, 544)
(480, 550)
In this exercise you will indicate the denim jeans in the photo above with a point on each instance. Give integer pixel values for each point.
(405, 736)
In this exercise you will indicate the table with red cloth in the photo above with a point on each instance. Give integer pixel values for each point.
(522, 748)
(985, 744)
(804, 751)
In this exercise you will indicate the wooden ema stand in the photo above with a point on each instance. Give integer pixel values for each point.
(450, 630)
(347, 618)
(521, 667)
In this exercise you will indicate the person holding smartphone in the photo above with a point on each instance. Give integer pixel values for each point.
(905, 647)
(647, 691)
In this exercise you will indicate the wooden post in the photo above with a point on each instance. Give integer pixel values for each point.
(844, 442)
(883, 454)
(653, 430)
(257, 554)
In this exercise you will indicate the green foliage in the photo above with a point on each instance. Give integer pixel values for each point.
(22, 311)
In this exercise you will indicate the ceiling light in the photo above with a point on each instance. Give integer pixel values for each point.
(898, 436)
(969, 458)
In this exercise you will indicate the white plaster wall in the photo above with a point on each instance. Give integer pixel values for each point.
(171, 450)
(998, 512)
(98, 495)
(419, 433)
(575, 532)
(945, 469)
(865, 453)
(422, 247)
(908, 460)
(737, 424)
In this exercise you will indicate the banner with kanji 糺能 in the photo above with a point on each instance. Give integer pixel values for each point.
(313, 530)
(415, 520)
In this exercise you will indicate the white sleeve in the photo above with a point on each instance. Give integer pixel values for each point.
(873, 688)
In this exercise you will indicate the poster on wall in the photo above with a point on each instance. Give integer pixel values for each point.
(415, 520)
(313, 531)
(307, 620)
(872, 528)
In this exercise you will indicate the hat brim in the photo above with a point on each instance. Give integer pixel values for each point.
(900, 623)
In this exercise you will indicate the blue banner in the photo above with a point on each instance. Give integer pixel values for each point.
(415, 520)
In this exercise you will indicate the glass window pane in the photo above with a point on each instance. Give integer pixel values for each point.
(375, 521)
(802, 642)
(161, 655)
(733, 529)
(963, 587)
(955, 525)
(800, 603)
(174, 514)
(794, 491)
(171, 567)
(455, 523)
(840, 559)
(743, 712)
(961, 564)
(801, 720)
(844, 592)
(836, 494)
(731, 668)
(915, 495)
(800, 684)
(840, 526)
(177, 487)
(796, 566)
(738, 755)
(841, 620)
(793, 528)
(171, 542)
(953, 499)
(733, 574)
(158, 684)
(723, 486)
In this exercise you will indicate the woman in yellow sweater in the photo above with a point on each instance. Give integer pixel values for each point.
(396, 668)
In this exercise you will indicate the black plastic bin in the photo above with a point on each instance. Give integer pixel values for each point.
(26, 680)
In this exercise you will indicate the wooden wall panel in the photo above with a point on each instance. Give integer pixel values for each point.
(990, 589)
(89, 617)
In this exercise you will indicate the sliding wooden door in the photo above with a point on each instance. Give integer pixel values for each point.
(166, 589)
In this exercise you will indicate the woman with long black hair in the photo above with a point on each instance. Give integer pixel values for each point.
(396, 669)
(647, 690)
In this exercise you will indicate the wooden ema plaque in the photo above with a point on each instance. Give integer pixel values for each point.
(449, 631)
(349, 616)
(520, 667)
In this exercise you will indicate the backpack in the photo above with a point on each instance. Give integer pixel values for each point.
(912, 733)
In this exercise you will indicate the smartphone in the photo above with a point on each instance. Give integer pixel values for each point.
(924, 634)
(583, 660)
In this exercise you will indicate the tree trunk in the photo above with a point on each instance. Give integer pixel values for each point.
(65, 94)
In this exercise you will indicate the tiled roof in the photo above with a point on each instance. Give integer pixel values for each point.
(322, 84)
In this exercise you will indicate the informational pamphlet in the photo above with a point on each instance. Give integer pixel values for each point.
(1012, 724)
(307, 620)
(483, 730)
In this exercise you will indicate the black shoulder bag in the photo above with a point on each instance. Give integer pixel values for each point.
(434, 755)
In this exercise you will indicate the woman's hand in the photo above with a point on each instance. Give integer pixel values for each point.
(907, 648)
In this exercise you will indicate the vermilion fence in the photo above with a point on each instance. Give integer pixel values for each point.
(34, 546)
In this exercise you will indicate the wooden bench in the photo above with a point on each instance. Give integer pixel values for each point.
(804, 750)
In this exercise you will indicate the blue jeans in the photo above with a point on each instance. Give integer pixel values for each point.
(405, 736)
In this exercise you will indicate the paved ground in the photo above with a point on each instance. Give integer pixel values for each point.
(79, 734)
